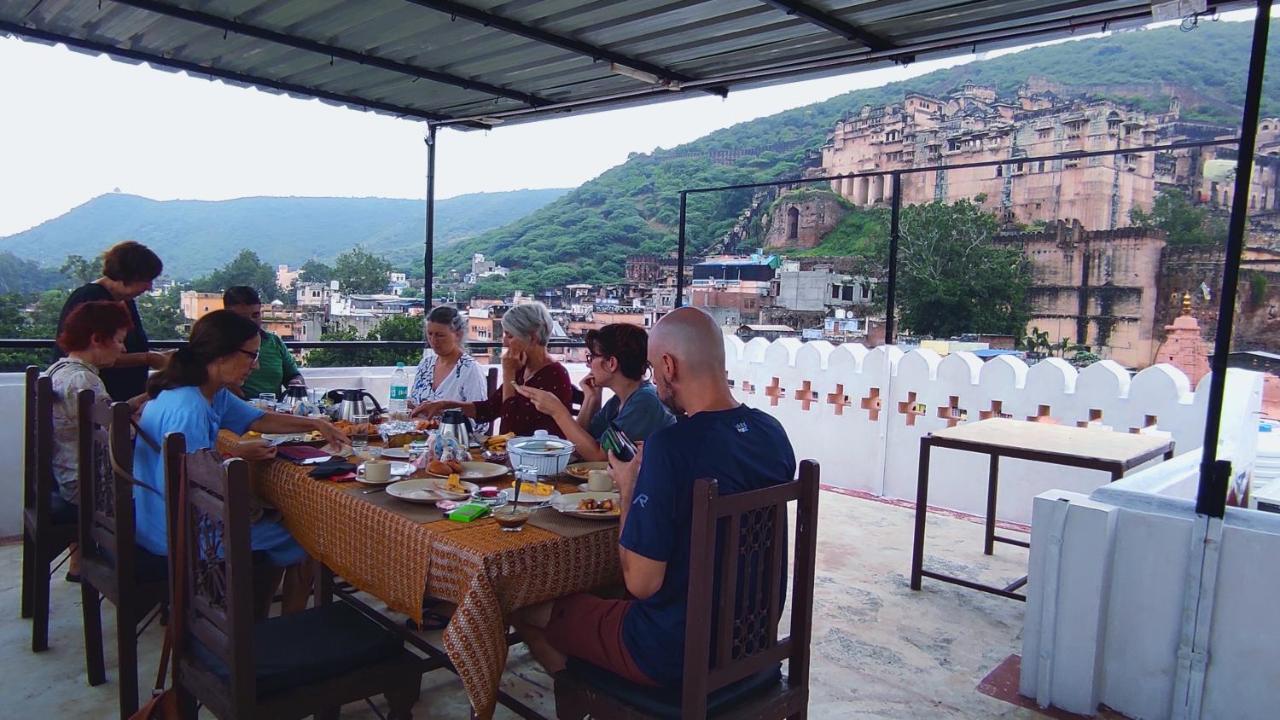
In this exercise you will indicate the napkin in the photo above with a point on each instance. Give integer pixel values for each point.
(334, 470)
(302, 454)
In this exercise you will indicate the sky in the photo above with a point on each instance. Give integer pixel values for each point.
(75, 126)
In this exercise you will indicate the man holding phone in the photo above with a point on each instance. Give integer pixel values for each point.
(641, 639)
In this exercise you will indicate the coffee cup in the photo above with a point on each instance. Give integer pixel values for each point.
(377, 471)
(599, 481)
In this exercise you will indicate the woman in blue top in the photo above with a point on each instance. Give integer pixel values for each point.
(617, 358)
(193, 395)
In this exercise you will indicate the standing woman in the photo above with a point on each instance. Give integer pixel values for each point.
(194, 395)
(128, 269)
(525, 332)
(447, 371)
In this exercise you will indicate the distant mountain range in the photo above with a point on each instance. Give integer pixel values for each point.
(194, 237)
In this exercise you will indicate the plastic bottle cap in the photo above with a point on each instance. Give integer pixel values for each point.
(399, 364)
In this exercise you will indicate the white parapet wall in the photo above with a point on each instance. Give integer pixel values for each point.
(1137, 603)
(862, 413)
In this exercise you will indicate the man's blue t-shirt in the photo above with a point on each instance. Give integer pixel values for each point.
(641, 416)
(743, 449)
(184, 410)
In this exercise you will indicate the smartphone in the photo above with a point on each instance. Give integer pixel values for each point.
(616, 441)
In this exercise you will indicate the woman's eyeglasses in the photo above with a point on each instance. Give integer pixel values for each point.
(252, 355)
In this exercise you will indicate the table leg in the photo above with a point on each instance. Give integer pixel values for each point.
(922, 508)
(993, 487)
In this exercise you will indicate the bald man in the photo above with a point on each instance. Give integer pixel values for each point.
(642, 639)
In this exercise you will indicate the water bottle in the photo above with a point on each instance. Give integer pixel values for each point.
(398, 403)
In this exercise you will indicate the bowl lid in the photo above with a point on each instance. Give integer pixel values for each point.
(545, 445)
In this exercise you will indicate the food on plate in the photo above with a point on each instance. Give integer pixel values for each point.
(455, 483)
(437, 467)
(498, 443)
(539, 489)
(592, 505)
(425, 425)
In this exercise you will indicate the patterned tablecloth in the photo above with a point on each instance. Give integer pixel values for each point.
(398, 559)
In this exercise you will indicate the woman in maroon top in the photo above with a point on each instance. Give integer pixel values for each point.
(525, 331)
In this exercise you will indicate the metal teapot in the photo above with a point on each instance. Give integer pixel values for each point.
(349, 403)
(455, 426)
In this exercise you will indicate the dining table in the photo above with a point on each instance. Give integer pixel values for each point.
(403, 553)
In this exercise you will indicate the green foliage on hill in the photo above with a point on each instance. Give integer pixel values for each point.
(23, 276)
(193, 237)
(634, 207)
(394, 327)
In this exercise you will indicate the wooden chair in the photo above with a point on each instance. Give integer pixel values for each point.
(304, 664)
(42, 539)
(111, 564)
(741, 678)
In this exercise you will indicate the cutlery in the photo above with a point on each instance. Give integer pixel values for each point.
(374, 490)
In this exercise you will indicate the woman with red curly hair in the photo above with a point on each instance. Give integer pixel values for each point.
(92, 336)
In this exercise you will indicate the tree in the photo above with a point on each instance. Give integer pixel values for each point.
(392, 327)
(81, 271)
(162, 315)
(1185, 223)
(360, 271)
(315, 271)
(245, 269)
(953, 279)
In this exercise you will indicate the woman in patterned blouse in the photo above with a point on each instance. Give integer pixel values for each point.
(525, 331)
(446, 371)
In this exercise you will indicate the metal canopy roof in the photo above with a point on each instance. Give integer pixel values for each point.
(485, 62)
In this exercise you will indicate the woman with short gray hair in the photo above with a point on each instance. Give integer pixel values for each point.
(525, 332)
(447, 371)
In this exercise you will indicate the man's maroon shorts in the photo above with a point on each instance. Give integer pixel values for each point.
(590, 628)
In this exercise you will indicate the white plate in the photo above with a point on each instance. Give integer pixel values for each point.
(584, 487)
(399, 470)
(428, 490)
(568, 504)
(477, 470)
(395, 453)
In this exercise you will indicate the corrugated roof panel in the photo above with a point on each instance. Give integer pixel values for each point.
(529, 58)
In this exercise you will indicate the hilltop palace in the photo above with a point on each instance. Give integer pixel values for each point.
(1097, 280)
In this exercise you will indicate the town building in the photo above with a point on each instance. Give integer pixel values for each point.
(482, 268)
(196, 305)
(734, 289)
(286, 278)
(314, 294)
(819, 288)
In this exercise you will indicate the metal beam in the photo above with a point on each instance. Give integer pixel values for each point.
(831, 23)
(428, 260)
(594, 52)
(332, 51)
(229, 75)
(1211, 495)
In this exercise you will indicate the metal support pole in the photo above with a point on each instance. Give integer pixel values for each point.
(684, 196)
(1211, 496)
(428, 260)
(891, 299)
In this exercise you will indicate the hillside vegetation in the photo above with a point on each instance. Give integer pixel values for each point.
(195, 236)
(587, 234)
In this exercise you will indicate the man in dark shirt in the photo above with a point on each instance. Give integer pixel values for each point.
(128, 269)
(642, 639)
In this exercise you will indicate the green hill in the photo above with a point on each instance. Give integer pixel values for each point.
(587, 234)
(194, 236)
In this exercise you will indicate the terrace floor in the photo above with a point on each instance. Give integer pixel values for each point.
(879, 649)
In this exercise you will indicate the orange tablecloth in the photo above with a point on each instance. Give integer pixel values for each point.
(486, 572)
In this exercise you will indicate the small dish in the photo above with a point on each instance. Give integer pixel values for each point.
(398, 470)
(568, 504)
(395, 453)
(476, 470)
(582, 470)
(428, 490)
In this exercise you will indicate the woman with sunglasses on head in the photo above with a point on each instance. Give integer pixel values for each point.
(617, 359)
(194, 395)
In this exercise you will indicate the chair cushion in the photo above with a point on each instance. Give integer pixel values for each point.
(665, 702)
(309, 647)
